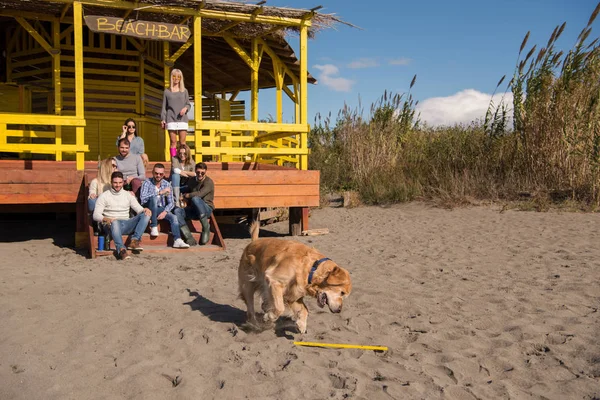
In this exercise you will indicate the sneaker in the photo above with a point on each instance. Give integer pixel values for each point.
(135, 245)
(180, 244)
(154, 231)
(123, 255)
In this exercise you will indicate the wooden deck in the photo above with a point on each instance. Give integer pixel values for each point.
(27, 185)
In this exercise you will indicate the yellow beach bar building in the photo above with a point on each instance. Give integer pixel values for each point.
(73, 71)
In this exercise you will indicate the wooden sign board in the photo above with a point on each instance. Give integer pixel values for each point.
(140, 29)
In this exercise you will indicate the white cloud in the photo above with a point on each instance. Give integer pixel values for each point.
(328, 78)
(461, 108)
(363, 63)
(400, 61)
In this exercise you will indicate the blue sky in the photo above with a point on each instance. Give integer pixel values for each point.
(458, 50)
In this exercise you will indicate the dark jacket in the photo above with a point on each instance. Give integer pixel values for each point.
(205, 190)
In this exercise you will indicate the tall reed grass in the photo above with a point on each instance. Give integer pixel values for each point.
(549, 145)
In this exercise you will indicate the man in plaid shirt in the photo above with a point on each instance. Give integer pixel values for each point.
(157, 195)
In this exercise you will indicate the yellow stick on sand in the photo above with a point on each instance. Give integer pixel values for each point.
(341, 346)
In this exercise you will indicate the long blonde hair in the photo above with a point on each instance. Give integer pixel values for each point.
(188, 154)
(105, 170)
(181, 84)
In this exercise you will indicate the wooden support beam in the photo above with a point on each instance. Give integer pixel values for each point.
(201, 12)
(181, 50)
(304, 92)
(38, 38)
(239, 50)
(57, 85)
(63, 13)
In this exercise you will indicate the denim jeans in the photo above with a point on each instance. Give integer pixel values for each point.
(91, 205)
(196, 210)
(151, 204)
(176, 182)
(120, 227)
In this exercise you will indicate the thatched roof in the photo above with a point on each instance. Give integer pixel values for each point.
(222, 68)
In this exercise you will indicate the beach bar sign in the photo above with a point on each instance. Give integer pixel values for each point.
(140, 29)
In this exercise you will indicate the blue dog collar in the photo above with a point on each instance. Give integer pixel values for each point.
(315, 266)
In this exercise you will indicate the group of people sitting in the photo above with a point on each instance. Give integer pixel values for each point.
(121, 187)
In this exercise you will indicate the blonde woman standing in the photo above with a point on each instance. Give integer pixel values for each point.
(102, 182)
(175, 106)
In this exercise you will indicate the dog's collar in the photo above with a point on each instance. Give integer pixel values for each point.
(315, 266)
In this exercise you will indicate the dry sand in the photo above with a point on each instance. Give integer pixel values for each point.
(472, 303)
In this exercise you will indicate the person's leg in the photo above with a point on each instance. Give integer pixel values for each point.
(175, 182)
(151, 204)
(204, 212)
(136, 184)
(173, 144)
(201, 207)
(138, 225)
(91, 204)
(184, 230)
(116, 233)
(174, 222)
(182, 135)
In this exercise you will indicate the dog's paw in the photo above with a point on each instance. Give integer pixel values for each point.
(269, 317)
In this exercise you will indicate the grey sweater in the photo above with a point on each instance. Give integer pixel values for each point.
(132, 165)
(173, 103)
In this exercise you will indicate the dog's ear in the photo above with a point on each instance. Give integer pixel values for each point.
(321, 274)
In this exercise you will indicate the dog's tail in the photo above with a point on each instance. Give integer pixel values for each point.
(254, 229)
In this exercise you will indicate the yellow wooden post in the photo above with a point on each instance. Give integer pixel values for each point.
(167, 75)
(198, 88)
(254, 83)
(142, 98)
(57, 83)
(79, 110)
(303, 91)
(279, 73)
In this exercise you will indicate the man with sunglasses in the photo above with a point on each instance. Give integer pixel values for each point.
(157, 195)
(200, 195)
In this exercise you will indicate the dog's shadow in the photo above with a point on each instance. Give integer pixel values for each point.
(233, 315)
(215, 311)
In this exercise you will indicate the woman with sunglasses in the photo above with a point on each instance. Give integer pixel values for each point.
(102, 181)
(176, 104)
(136, 143)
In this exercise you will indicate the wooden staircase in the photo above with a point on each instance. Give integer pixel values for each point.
(163, 243)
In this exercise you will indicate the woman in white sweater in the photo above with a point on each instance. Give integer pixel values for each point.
(102, 181)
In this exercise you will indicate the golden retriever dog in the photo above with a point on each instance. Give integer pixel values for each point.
(283, 272)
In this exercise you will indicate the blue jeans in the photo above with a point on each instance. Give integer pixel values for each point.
(91, 205)
(198, 209)
(120, 227)
(156, 210)
(176, 182)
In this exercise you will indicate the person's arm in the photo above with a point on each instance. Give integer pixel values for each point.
(188, 105)
(141, 170)
(147, 191)
(93, 189)
(170, 203)
(163, 113)
(99, 209)
(135, 206)
(142, 145)
(207, 187)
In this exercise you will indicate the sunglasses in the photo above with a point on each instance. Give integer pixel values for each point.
(159, 173)
(114, 165)
(131, 126)
(200, 173)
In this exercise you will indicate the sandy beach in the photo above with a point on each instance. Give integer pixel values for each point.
(473, 303)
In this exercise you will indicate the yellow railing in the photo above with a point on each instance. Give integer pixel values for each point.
(245, 140)
(6, 119)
